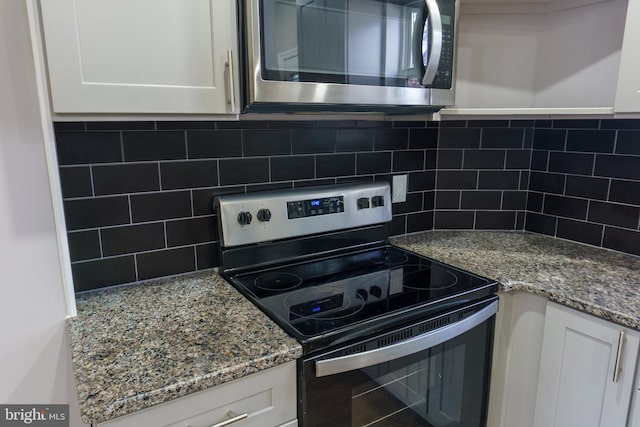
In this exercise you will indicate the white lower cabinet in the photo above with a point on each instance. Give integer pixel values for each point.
(263, 399)
(587, 369)
(516, 358)
(634, 411)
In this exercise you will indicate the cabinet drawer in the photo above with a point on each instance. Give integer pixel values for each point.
(268, 398)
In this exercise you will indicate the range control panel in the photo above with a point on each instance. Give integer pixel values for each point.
(266, 216)
(312, 207)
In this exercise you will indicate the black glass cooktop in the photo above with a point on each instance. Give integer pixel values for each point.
(330, 300)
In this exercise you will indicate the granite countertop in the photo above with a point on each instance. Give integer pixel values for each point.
(593, 280)
(140, 345)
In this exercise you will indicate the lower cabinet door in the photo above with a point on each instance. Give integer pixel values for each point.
(587, 371)
(263, 399)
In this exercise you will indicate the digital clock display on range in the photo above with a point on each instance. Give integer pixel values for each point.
(313, 207)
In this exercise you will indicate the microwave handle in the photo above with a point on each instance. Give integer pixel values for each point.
(404, 348)
(436, 42)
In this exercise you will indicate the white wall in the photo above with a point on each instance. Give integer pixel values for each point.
(34, 357)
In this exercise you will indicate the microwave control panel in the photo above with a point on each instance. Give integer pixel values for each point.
(444, 75)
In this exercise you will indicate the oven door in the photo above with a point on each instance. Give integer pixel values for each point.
(348, 53)
(432, 373)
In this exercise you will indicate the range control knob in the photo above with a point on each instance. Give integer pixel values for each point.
(362, 294)
(264, 215)
(244, 218)
(376, 291)
(363, 203)
(377, 201)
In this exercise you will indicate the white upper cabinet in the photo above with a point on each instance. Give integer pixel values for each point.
(628, 93)
(539, 56)
(143, 56)
(587, 371)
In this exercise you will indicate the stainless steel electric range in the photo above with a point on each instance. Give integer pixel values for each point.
(389, 337)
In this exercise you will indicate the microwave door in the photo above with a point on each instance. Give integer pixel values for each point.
(431, 42)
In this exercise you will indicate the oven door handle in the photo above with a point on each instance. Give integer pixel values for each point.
(404, 348)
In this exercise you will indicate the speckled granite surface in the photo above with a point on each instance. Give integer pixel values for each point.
(140, 345)
(596, 281)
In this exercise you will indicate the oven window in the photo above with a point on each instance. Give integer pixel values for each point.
(446, 385)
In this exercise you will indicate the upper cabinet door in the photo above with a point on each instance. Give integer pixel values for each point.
(143, 56)
(628, 93)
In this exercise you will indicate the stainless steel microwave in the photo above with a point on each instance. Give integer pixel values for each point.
(348, 55)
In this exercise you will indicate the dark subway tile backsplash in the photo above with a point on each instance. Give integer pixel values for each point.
(622, 240)
(84, 245)
(484, 159)
(354, 140)
(614, 214)
(449, 159)
(270, 142)
(447, 199)
(408, 160)
(454, 219)
(391, 139)
(625, 192)
(628, 142)
(459, 138)
(88, 147)
(587, 187)
(502, 138)
(138, 195)
(499, 180)
(477, 200)
(96, 212)
(592, 141)
(132, 238)
(590, 185)
(334, 165)
(165, 262)
(502, 220)
(373, 163)
(580, 231)
(152, 145)
(243, 171)
(456, 180)
(160, 206)
(568, 207)
(76, 182)
(128, 178)
(189, 174)
(203, 144)
(549, 139)
(617, 166)
(573, 163)
(423, 138)
(104, 272)
(189, 231)
(313, 141)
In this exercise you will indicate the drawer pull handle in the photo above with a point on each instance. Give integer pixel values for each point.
(233, 418)
(617, 370)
